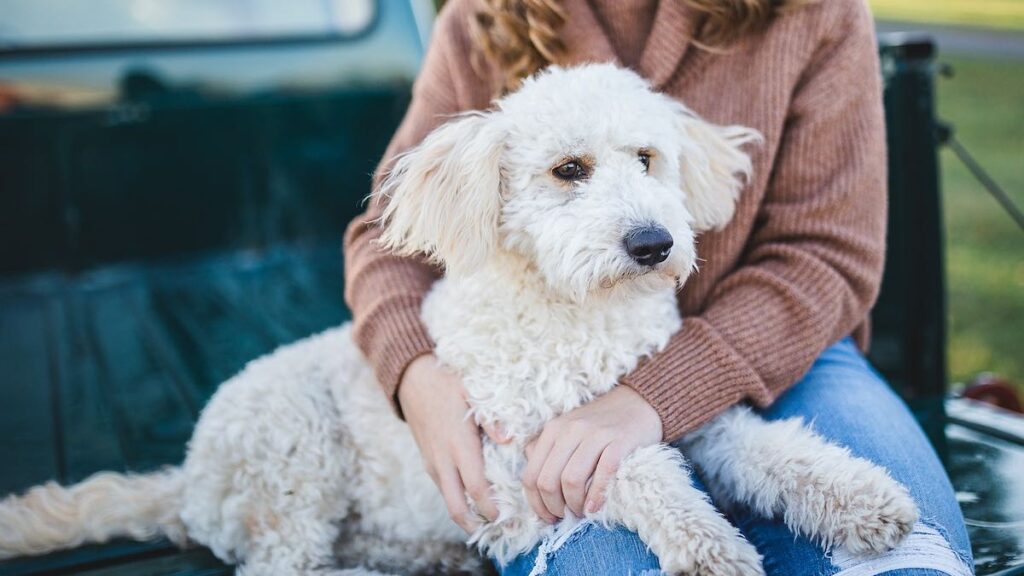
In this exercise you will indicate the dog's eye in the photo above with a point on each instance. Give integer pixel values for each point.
(570, 171)
(645, 159)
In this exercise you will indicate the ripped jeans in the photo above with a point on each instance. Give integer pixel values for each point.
(847, 402)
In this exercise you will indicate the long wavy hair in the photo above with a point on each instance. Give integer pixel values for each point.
(522, 36)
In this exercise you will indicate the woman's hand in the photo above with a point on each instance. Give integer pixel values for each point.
(586, 444)
(434, 404)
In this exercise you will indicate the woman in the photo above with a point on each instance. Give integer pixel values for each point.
(777, 315)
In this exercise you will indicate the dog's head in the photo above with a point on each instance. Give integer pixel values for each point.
(585, 172)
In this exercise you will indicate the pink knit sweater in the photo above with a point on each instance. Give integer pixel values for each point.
(797, 268)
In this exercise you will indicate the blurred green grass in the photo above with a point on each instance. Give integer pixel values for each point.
(984, 101)
(1007, 14)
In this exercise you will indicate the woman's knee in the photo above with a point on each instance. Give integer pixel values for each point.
(925, 552)
(846, 402)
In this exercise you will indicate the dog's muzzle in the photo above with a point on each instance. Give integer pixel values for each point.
(648, 245)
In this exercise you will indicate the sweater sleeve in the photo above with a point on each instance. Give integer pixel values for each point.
(383, 291)
(812, 265)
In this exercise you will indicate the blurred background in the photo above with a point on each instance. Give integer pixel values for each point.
(983, 98)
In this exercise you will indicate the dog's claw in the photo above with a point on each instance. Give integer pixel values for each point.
(884, 518)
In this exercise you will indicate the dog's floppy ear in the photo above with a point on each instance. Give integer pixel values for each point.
(443, 197)
(713, 167)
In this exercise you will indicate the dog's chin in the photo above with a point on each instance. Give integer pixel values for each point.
(626, 279)
(658, 279)
(644, 279)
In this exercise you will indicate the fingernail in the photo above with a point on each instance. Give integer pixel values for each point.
(591, 506)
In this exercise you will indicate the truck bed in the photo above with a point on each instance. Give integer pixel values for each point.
(107, 370)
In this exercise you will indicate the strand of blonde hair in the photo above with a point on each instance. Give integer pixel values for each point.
(519, 36)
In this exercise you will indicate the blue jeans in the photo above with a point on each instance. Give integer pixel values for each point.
(847, 402)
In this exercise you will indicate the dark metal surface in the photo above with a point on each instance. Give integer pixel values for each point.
(908, 322)
(988, 474)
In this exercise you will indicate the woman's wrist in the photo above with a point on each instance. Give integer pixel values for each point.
(646, 414)
(412, 380)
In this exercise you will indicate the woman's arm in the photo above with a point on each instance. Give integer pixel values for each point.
(385, 292)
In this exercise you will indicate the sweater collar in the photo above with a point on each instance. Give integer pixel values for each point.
(674, 26)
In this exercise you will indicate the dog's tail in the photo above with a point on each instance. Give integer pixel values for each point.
(104, 506)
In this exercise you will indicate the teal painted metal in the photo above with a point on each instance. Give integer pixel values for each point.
(135, 154)
(108, 369)
(155, 238)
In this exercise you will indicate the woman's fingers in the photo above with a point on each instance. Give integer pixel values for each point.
(578, 471)
(536, 454)
(470, 461)
(549, 481)
(607, 466)
(496, 433)
(435, 407)
(454, 494)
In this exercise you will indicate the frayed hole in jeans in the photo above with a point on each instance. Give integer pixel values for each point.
(924, 548)
(551, 544)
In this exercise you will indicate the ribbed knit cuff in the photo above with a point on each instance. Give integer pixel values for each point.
(399, 338)
(694, 379)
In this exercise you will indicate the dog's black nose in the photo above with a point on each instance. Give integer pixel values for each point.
(648, 245)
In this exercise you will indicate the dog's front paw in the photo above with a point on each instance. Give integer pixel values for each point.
(710, 547)
(878, 517)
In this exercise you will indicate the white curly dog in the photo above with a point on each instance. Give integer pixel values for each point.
(565, 217)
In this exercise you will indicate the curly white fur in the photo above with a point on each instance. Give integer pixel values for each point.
(298, 464)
